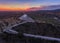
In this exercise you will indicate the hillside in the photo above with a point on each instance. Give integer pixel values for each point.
(43, 29)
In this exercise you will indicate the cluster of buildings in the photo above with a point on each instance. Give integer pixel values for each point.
(8, 22)
(12, 21)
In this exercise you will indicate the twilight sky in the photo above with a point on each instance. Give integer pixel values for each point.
(24, 4)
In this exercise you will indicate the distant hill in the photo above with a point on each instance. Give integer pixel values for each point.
(38, 13)
(47, 13)
(6, 14)
(52, 7)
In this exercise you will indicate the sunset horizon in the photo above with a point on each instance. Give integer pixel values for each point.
(17, 5)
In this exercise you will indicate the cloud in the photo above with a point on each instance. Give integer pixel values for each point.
(30, 2)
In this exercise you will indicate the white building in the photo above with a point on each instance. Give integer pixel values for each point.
(26, 18)
(55, 18)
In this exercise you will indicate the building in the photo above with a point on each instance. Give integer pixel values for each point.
(26, 18)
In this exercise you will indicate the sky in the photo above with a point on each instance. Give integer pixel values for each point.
(24, 4)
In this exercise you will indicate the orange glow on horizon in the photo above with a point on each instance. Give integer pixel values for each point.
(11, 9)
(15, 7)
